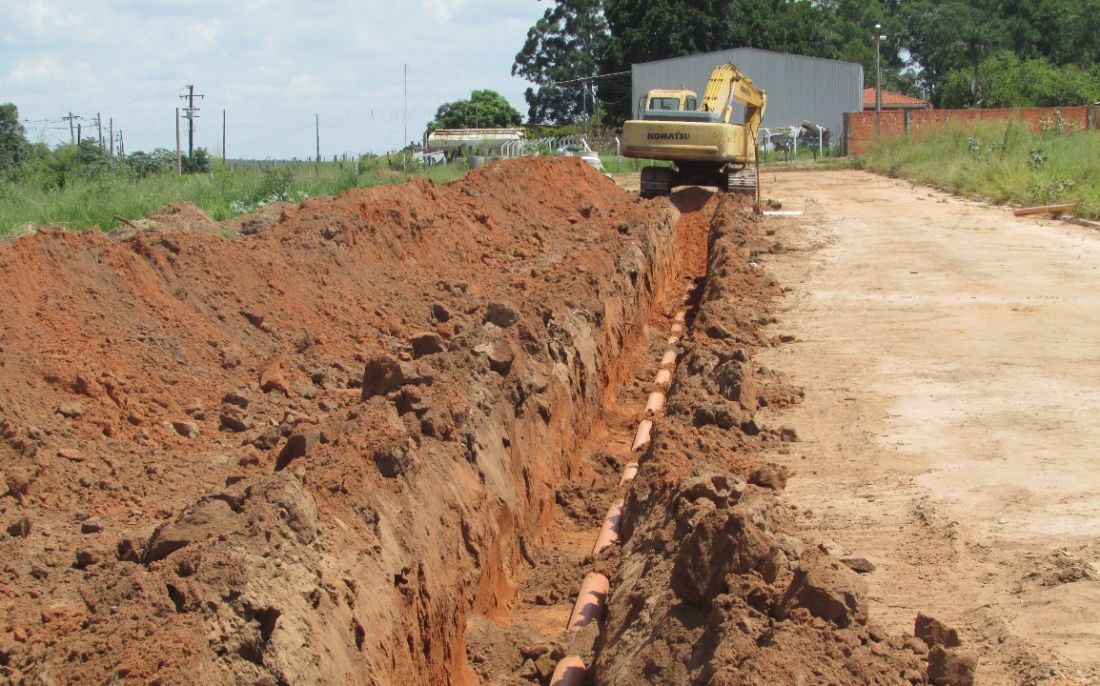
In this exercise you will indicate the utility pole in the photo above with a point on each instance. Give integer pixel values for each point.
(79, 134)
(223, 137)
(191, 116)
(879, 37)
(111, 152)
(405, 119)
(99, 129)
(317, 128)
(121, 145)
(72, 133)
(179, 162)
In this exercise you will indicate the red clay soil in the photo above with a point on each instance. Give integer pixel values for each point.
(319, 452)
(713, 584)
(307, 454)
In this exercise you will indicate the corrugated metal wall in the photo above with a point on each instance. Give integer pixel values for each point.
(798, 87)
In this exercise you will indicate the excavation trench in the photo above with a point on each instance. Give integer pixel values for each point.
(576, 553)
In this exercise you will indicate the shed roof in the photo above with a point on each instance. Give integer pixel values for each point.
(893, 100)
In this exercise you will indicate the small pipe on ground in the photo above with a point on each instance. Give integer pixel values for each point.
(655, 403)
(1041, 209)
(663, 377)
(673, 340)
(629, 473)
(590, 601)
(609, 534)
(569, 672)
(669, 358)
(677, 329)
(680, 317)
(641, 439)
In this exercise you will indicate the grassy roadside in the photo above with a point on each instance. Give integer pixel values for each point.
(224, 193)
(999, 163)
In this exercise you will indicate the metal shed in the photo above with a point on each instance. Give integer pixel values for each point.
(799, 87)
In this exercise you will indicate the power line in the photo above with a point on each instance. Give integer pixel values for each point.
(588, 78)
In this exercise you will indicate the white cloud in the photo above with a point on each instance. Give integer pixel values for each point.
(37, 70)
(200, 35)
(304, 86)
(272, 64)
(442, 10)
(43, 17)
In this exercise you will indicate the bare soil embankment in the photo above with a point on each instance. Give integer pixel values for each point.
(308, 454)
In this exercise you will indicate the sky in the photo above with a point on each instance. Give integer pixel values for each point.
(272, 65)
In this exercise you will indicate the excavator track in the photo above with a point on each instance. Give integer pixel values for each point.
(656, 181)
(741, 181)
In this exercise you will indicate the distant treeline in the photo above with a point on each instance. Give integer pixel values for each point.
(956, 53)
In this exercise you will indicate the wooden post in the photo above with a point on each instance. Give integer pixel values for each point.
(1042, 209)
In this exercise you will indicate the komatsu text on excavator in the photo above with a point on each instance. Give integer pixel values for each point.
(704, 147)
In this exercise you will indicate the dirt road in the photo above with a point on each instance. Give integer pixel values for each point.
(951, 360)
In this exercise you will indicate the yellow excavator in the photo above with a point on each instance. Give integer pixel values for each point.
(704, 147)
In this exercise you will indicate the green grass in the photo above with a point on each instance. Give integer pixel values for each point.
(227, 192)
(1000, 163)
(615, 164)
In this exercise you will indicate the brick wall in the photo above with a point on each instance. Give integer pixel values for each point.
(859, 127)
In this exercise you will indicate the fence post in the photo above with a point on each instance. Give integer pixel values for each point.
(845, 139)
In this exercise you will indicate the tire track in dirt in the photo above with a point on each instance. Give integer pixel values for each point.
(947, 350)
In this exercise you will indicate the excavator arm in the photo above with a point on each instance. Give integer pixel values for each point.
(727, 85)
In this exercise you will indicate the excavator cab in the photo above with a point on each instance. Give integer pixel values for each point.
(663, 103)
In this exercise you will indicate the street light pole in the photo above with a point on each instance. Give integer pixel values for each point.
(879, 37)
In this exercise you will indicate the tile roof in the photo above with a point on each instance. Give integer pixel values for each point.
(890, 99)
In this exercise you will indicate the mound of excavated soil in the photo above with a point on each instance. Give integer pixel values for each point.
(307, 454)
(714, 586)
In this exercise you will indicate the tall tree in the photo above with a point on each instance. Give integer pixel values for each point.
(1061, 31)
(485, 109)
(1007, 81)
(850, 27)
(942, 36)
(564, 45)
(14, 147)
